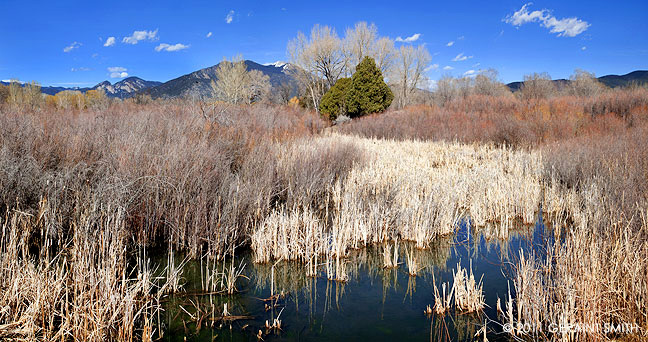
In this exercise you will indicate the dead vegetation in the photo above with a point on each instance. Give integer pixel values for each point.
(86, 195)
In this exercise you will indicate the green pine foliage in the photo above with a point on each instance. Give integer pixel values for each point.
(333, 103)
(368, 92)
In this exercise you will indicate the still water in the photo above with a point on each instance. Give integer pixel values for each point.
(375, 304)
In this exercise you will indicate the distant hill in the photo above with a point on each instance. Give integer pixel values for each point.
(126, 87)
(199, 82)
(122, 89)
(635, 77)
(612, 81)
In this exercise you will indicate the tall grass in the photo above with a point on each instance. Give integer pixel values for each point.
(79, 286)
(509, 120)
(414, 191)
(86, 195)
(596, 271)
(595, 186)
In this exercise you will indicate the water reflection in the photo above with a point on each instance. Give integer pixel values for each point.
(377, 303)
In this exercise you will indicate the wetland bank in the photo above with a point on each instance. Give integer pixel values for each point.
(155, 221)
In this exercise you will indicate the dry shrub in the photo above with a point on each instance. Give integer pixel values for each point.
(596, 270)
(508, 120)
(182, 176)
(86, 193)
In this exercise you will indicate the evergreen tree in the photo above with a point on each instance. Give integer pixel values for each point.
(368, 92)
(333, 102)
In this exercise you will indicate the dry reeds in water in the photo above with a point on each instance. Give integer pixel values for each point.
(468, 293)
(442, 299)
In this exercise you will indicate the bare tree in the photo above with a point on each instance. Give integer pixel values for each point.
(231, 81)
(363, 40)
(487, 83)
(537, 86)
(15, 92)
(4, 93)
(446, 90)
(259, 86)
(32, 95)
(584, 83)
(316, 59)
(384, 53)
(235, 84)
(284, 92)
(408, 73)
(27, 94)
(359, 42)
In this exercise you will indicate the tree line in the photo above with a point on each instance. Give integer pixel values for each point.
(30, 96)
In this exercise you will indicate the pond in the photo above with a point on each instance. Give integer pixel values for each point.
(375, 304)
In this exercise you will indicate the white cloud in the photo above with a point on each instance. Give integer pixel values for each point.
(72, 46)
(450, 43)
(566, 27)
(431, 67)
(116, 69)
(460, 57)
(171, 48)
(584, 48)
(110, 41)
(461, 38)
(80, 69)
(447, 67)
(209, 34)
(409, 39)
(229, 17)
(118, 72)
(138, 36)
(470, 73)
(523, 16)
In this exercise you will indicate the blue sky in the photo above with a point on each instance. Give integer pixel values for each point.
(62, 42)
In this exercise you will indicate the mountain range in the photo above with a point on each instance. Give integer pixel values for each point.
(198, 83)
(122, 89)
(636, 77)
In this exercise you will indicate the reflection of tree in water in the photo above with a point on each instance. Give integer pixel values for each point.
(493, 237)
(297, 292)
(190, 314)
(454, 327)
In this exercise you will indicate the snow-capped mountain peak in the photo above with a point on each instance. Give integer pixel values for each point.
(277, 64)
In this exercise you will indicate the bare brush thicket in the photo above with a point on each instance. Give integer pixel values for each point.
(508, 119)
(86, 193)
(595, 186)
(408, 190)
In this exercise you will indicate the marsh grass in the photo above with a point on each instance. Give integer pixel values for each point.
(86, 195)
(413, 191)
(83, 288)
(442, 299)
(468, 293)
(594, 272)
